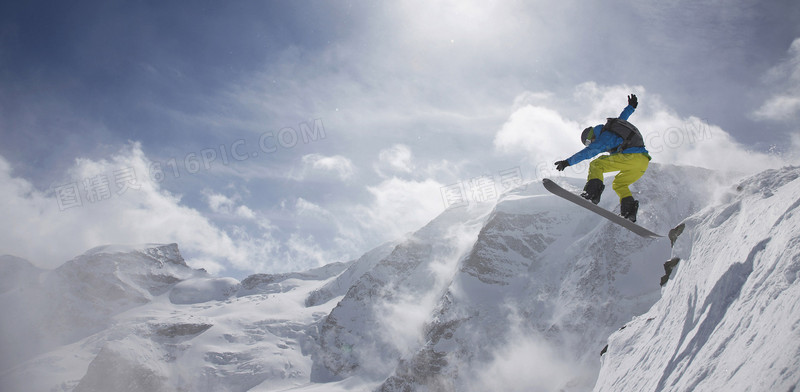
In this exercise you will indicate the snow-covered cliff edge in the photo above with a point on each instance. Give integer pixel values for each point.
(729, 320)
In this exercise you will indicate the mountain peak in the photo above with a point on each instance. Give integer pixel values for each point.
(165, 253)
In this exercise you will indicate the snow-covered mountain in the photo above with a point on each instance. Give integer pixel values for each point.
(521, 294)
(46, 309)
(730, 318)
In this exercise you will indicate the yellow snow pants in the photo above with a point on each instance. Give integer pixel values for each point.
(631, 167)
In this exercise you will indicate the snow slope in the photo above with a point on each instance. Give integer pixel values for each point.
(730, 317)
(520, 294)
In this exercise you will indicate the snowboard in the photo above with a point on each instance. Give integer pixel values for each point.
(618, 219)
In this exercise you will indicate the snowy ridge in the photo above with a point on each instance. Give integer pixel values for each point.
(381, 317)
(345, 280)
(730, 317)
(517, 295)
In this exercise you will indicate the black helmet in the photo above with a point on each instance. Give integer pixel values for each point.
(587, 136)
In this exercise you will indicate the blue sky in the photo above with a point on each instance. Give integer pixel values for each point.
(275, 136)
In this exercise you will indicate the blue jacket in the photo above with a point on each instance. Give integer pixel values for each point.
(605, 141)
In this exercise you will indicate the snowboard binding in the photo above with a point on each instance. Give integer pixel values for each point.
(628, 208)
(593, 190)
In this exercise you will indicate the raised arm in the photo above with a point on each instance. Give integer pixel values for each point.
(632, 104)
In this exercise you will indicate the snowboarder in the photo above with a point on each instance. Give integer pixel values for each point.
(627, 155)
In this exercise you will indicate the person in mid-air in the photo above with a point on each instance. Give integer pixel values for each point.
(628, 156)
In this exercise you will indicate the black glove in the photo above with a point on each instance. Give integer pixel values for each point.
(633, 101)
(561, 165)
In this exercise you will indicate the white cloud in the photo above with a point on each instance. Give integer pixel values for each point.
(600, 102)
(305, 249)
(400, 206)
(540, 133)
(395, 159)
(692, 141)
(220, 203)
(305, 207)
(245, 212)
(143, 213)
(784, 105)
(337, 164)
(231, 206)
(530, 363)
(70, 223)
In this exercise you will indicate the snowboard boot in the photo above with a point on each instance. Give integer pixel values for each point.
(593, 190)
(628, 208)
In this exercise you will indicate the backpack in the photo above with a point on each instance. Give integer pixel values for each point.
(631, 137)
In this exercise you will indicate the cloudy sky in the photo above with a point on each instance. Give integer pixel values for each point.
(269, 136)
